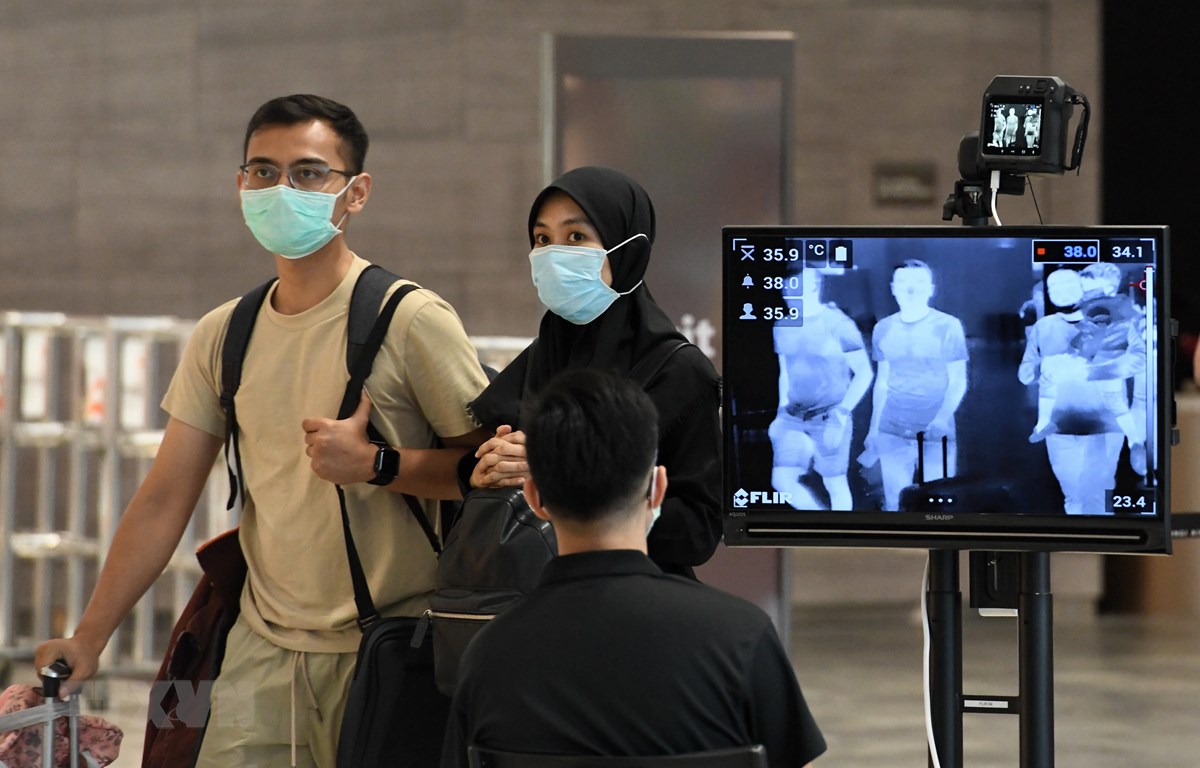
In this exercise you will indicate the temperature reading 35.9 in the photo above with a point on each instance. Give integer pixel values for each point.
(781, 313)
(781, 254)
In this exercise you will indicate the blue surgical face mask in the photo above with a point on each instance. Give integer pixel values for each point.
(291, 222)
(568, 282)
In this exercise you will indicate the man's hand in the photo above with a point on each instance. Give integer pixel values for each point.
(338, 449)
(835, 429)
(939, 427)
(81, 655)
(501, 461)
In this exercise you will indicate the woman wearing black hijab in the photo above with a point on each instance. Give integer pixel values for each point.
(601, 315)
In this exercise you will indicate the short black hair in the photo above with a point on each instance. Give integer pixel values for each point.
(301, 108)
(591, 439)
(912, 264)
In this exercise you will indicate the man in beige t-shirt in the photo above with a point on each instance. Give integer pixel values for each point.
(290, 657)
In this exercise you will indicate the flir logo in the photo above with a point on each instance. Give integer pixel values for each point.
(741, 497)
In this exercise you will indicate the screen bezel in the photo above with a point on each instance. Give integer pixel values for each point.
(995, 531)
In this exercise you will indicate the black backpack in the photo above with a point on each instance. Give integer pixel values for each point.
(494, 554)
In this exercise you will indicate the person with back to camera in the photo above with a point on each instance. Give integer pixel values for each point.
(1033, 126)
(920, 381)
(1081, 367)
(591, 232)
(1102, 346)
(609, 655)
(290, 657)
(1113, 341)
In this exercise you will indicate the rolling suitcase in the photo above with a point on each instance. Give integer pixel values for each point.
(947, 495)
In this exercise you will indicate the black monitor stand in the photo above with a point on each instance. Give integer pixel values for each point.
(1033, 602)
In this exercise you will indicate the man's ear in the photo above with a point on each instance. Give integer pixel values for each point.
(660, 486)
(535, 499)
(359, 191)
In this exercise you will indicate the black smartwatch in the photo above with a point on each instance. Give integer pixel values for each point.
(387, 463)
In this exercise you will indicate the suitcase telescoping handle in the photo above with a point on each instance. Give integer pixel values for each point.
(53, 676)
(921, 456)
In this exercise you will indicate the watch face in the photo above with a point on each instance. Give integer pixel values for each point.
(387, 465)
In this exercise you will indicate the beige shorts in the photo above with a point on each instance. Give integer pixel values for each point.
(269, 701)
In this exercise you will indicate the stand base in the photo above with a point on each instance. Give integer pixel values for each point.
(1033, 602)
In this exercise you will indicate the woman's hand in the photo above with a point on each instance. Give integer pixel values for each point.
(502, 461)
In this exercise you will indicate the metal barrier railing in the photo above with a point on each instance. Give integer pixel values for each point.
(80, 424)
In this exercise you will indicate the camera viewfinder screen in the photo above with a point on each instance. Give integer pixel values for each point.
(1012, 128)
(943, 371)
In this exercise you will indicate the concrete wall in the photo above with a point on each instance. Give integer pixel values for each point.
(122, 128)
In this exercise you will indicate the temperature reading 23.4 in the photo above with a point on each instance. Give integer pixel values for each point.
(1137, 501)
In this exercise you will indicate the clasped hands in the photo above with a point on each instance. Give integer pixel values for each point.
(501, 460)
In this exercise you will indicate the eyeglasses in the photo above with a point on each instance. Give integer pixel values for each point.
(310, 177)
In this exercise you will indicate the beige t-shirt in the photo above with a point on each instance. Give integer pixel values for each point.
(298, 593)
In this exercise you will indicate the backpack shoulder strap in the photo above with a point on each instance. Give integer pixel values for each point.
(367, 327)
(237, 339)
(360, 369)
(365, 305)
(361, 359)
(653, 361)
(233, 354)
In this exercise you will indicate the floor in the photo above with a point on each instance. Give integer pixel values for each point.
(1126, 689)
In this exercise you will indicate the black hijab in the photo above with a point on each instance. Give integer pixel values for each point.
(618, 208)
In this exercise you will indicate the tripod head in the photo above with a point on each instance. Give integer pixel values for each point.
(970, 199)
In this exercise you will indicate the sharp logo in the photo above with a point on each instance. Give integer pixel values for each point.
(742, 498)
(936, 518)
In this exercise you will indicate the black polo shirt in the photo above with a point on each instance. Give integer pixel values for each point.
(609, 656)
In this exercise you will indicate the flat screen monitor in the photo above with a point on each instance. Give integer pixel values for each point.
(998, 388)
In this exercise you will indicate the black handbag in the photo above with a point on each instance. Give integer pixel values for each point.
(394, 714)
(493, 556)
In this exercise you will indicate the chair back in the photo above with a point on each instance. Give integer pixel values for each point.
(753, 756)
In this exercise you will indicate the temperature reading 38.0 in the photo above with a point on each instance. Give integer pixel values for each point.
(776, 283)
